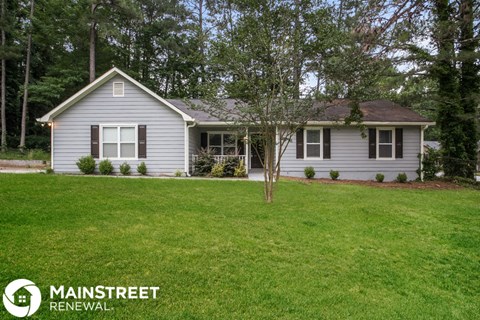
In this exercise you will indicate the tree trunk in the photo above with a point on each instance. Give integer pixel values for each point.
(92, 44)
(27, 79)
(469, 85)
(3, 86)
(449, 113)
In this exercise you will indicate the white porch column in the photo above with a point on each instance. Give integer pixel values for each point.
(247, 150)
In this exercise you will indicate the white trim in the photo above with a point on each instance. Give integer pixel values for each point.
(305, 129)
(51, 144)
(118, 126)
(99, 82)
(422, 150)
(393, 143)
(326, 123)
(187, 147)
(123, 89)
(247, 150)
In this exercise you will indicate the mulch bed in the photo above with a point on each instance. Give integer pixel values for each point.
(436, 185)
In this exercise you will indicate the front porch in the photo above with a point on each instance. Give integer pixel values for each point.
(225, 142)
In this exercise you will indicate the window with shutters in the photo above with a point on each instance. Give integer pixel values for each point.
(385, 143)
(118, 141)
(118, 89)
(313, 143)
(223, 143)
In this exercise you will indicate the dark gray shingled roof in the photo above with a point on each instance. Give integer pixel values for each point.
(337, 110)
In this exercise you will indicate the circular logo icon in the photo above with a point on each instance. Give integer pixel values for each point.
(10, 301)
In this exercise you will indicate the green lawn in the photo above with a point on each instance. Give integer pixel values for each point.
(218, 252)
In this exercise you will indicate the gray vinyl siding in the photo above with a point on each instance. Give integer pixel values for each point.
(165, 128)
(349, 155)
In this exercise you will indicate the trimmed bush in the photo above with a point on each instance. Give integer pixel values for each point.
(204, 163)
(240, 171)
(309, 172)
(86, 164)
(142, 168)
(178, 173)
(105, 167)
(402, 177)
(229, 166)
(334, 174)
(125, 169)
(380, 177)
(217, 170)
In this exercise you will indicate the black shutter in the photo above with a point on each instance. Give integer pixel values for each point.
(398, 143)
(300, 144)
(94, 141)
(142, 141)
(204, 140)
(372, 143)
(326, 143)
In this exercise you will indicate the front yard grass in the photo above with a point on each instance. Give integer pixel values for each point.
(217, 251)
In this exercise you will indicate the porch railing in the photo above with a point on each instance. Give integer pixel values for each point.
(218, 159)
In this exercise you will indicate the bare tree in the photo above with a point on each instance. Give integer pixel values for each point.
(27, 79)
(3, 85)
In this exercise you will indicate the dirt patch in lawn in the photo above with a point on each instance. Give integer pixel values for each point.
(439, 185)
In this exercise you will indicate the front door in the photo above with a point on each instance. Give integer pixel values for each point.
(256, 151)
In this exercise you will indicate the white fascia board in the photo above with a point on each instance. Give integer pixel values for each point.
(329, 123)
(97, 83)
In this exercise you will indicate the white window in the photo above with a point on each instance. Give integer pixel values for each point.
(385, 139)
(313, 143)
(222, 143)
(118, 89)
(119, 141)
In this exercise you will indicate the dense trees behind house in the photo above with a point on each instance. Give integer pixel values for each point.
(422, 54)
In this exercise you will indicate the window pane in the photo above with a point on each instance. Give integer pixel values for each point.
(127, 134)
(385, 151)
(385, 136)
(127, 150)
(313, 151)
(228, 151)
(313, 136)
(215, 139)
(110, 150)
(229, 140)
(216, 150)
(110, 134)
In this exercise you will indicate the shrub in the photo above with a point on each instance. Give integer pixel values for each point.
(309, 172)
(402, 177)
(204, 163)
(49, 170)
(380, 177)
(178, 173)
(125, 169)
(217, 170)
(229, 166)
(86, 164)
(105, 167)
(240, 170)
(334, 174)
(431, 164)
(142, 168)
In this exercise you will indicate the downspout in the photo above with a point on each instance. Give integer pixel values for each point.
(422, 149)
(51, 144)
(187, 146)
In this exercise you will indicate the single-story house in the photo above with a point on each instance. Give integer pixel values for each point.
(118, 118)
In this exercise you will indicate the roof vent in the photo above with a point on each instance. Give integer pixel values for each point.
(118, 89)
